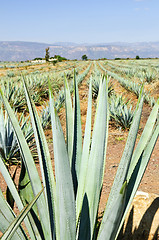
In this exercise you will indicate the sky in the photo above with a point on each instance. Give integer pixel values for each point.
(79, 21)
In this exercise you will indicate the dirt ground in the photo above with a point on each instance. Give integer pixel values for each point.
(116, 142)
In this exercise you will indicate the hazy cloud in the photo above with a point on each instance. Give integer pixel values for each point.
(141, 9)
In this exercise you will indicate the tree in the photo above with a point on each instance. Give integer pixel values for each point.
(84, 57)
(47, 55)
(137, 57)
(59, 58)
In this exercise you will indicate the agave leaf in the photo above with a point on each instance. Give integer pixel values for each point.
(120, 178)
(26, 195)
(113, 220)
(96, 166)
(25, 187)
(85, 155)
(31, 169)
(77, 138)
(144, 159)
(6, 218)
(69, 120)
(9, 196)
(65, 199)
(140, 167)
(15, 194)
(2, 130)
(44, 159)
(139, 97)
(17, 221)
(144, 138)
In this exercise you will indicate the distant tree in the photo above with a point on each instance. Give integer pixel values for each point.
(59, 58)
(102, 58)
(84, 57)
(47, 55)
(37, 58)
(137, 57)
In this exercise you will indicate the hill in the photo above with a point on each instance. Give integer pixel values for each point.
(18, 51)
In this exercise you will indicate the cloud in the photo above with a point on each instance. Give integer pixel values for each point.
(137, 9)
(141, 9)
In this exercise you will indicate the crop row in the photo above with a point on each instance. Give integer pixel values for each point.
(148, 74)
(60, 96)
(67, 199)
(120, 110)
(130, 85)
(38, 85)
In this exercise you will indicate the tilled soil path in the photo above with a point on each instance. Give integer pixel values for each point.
(116, 142)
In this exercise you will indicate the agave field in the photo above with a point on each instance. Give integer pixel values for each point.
(77, 140)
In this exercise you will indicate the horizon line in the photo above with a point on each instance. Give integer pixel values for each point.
(86, 43)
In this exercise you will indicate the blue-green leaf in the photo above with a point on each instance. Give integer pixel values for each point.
(31, 168)
(85, 156)
(65, 199)
(17, 221)
(69, 120)
(96, 166)
(77, 138)
(6, 218)
(44, 159)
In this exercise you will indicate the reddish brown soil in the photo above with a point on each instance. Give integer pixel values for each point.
(116, 142)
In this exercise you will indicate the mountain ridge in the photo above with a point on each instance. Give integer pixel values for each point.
(21, 50)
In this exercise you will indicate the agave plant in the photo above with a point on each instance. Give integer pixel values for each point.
(149, 75)
(68, 206)
(96, 84)
(15, 94)
(120, 112)
(9, 149)
(38, 86)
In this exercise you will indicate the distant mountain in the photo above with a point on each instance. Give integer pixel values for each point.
(20, 51)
